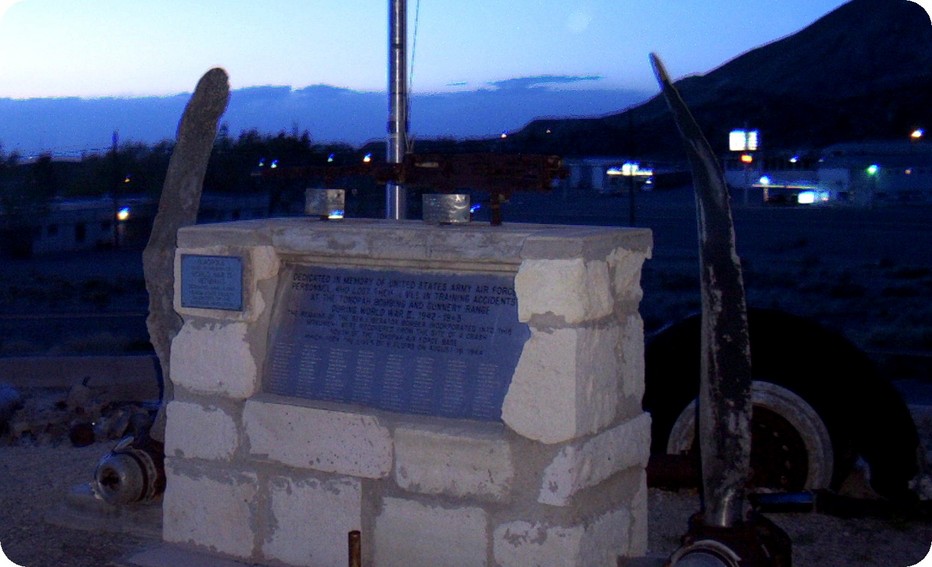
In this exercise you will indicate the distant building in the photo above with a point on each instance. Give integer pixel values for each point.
(862, 173)
(871, 173)
(605, 175)
(88, 223)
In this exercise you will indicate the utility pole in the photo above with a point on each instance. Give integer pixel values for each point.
(115, 188)
(395, 197)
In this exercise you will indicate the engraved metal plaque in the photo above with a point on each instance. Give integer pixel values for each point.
(431, 343)
(212, 282)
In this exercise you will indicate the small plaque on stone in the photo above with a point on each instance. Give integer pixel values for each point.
(212, 282)
(422, 342)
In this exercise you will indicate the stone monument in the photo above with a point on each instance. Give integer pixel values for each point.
(459, 394)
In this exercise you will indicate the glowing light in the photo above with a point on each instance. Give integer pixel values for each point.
(629, 169)
(764, 180)
(274, 164)
(123, 214)
(335, 214)
(261, 162)
(126, 179)
(367, 158)
(872, 169)
(917, 133)
(330, 158)
(504, 135)
(794, 159)
(811, 197)
(743, 140)
(474, 208)
(747, 158)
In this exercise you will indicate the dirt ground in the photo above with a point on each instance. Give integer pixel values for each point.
(36, 478)
(864, 272)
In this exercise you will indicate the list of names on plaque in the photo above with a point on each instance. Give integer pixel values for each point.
(432, 343)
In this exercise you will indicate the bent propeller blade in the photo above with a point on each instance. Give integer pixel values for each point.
(725, 383)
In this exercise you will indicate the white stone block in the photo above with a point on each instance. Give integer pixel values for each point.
(586, 464)
(626, 266)
(409, 533)
(597, 543)
(566, 384)
(214, 511)
(199, 432)
(214, 358)
(311, 519)
(574, 289)
(520, 544)
(458, 463)
(324, 440)
(632, 357)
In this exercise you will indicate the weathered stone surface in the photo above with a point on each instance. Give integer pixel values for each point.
(200, 432)
(625, 266)
(458, 463)
(577, 290)
(410, 533)
(215, 358)
(582, 465)
(311, 519)
(324, 440)
(211, 509)
(598, 542)
(566, 384)
(536, 543)
(631, 345)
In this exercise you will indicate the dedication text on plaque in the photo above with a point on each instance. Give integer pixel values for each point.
(212, 282)
(432, 343)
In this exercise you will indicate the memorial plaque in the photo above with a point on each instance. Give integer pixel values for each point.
(432, 343)
(212, 282)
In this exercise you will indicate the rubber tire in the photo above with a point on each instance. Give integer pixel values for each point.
(863, 413)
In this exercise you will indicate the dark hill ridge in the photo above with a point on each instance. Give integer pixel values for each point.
(863, 71)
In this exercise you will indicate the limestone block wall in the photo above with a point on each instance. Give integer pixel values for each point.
(560, 480)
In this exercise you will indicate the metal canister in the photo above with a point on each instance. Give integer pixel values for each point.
(134, 471)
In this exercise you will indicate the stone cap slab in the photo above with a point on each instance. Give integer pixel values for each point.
(416, 240)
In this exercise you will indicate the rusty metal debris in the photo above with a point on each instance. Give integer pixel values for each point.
(498, 174)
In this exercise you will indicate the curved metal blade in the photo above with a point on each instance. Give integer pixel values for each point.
(725, 387)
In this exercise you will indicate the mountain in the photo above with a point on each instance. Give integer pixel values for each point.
(863, 71)
(72, 126)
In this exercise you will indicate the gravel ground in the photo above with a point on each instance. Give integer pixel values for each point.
(37, 478)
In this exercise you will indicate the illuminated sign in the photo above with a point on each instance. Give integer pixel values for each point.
(743, 140)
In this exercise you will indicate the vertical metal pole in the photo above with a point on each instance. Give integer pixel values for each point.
(354, 543)
(395, 197)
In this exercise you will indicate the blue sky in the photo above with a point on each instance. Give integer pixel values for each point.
(104, 48)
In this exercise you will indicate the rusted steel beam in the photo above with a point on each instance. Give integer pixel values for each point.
(725, 383)
(498, 174)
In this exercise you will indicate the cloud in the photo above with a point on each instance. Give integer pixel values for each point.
(522, 83)
(926, 5)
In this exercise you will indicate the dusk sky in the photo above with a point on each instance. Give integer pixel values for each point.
(94, 48)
